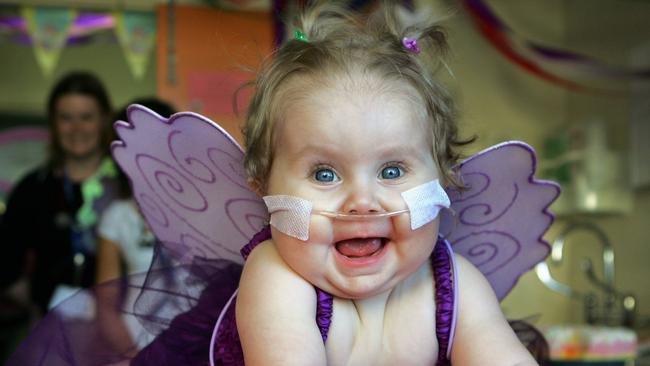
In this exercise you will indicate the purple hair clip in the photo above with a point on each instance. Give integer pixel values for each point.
(411, 44)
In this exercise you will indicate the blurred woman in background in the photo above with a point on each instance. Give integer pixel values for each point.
(49, 225)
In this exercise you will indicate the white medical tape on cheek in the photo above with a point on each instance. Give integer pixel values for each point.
(424, 202)
(290, 215)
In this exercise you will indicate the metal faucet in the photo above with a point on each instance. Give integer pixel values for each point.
(607, 284)
(608, 251)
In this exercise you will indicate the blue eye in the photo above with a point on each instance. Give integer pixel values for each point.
(325, 175)
(391, 172)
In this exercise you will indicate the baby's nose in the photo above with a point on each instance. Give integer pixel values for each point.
(362, 200)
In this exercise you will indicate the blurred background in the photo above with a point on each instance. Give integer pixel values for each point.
(569, 77)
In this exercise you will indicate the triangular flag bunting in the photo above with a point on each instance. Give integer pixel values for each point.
(136, 32)
(48, 28)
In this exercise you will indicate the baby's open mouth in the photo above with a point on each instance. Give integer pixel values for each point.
(360, 247)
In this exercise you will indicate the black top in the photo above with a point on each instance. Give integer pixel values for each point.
(37, 235)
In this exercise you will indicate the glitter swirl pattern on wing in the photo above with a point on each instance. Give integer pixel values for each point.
(498, 221)
(163, 178)
(470, 213)
(488, 250)
(476, 187)
(190, 164)
(230, 166)
(188, 177)
(241, 213)
(152, 210)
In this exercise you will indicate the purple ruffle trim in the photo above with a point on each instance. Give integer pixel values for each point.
(324, 312)
(261, 236)
(440, 262)
(228, 351)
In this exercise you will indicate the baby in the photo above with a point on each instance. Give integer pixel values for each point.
(350, 141)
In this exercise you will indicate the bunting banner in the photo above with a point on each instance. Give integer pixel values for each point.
(82, 30)
(136, 32)
(48, 29)
(561, 67)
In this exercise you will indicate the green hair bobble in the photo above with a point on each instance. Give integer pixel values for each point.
(299, 35)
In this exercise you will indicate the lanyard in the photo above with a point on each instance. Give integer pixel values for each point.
(80, 238)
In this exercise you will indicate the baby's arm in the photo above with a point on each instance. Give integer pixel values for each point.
(483, 336)
(276, 313)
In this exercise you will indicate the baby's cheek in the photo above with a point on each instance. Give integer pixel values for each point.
(415, 245)
(402, 225)
(307, 258)
(320, 230)
(296, 254)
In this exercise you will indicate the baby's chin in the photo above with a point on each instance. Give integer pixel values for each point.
(359, 287)
(360, 292)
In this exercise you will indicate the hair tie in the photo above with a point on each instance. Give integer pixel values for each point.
(299, 35)
(411, 44)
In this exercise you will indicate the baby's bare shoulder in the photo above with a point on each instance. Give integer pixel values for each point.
(265, 267)
(483, 335)
(274, 303)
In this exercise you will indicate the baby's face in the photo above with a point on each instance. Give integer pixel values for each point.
(355, 151)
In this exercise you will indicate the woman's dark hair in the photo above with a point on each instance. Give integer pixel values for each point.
(156, 104)
(84, 83)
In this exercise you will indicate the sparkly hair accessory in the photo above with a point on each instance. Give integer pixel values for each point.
(411, 44)
(299, 35)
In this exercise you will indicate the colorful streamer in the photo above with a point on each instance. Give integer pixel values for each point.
(83, 27)
(538, 59)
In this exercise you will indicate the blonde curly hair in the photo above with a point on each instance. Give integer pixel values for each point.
(341, 42)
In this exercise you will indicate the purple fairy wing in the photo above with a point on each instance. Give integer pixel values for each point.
(188, 178)
(498, 222)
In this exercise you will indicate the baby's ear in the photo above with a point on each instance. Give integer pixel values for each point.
(255, 186)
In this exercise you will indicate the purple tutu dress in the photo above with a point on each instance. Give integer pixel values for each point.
(171, 347)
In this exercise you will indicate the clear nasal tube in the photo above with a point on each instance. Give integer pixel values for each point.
(292, 215)
(354, 216)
